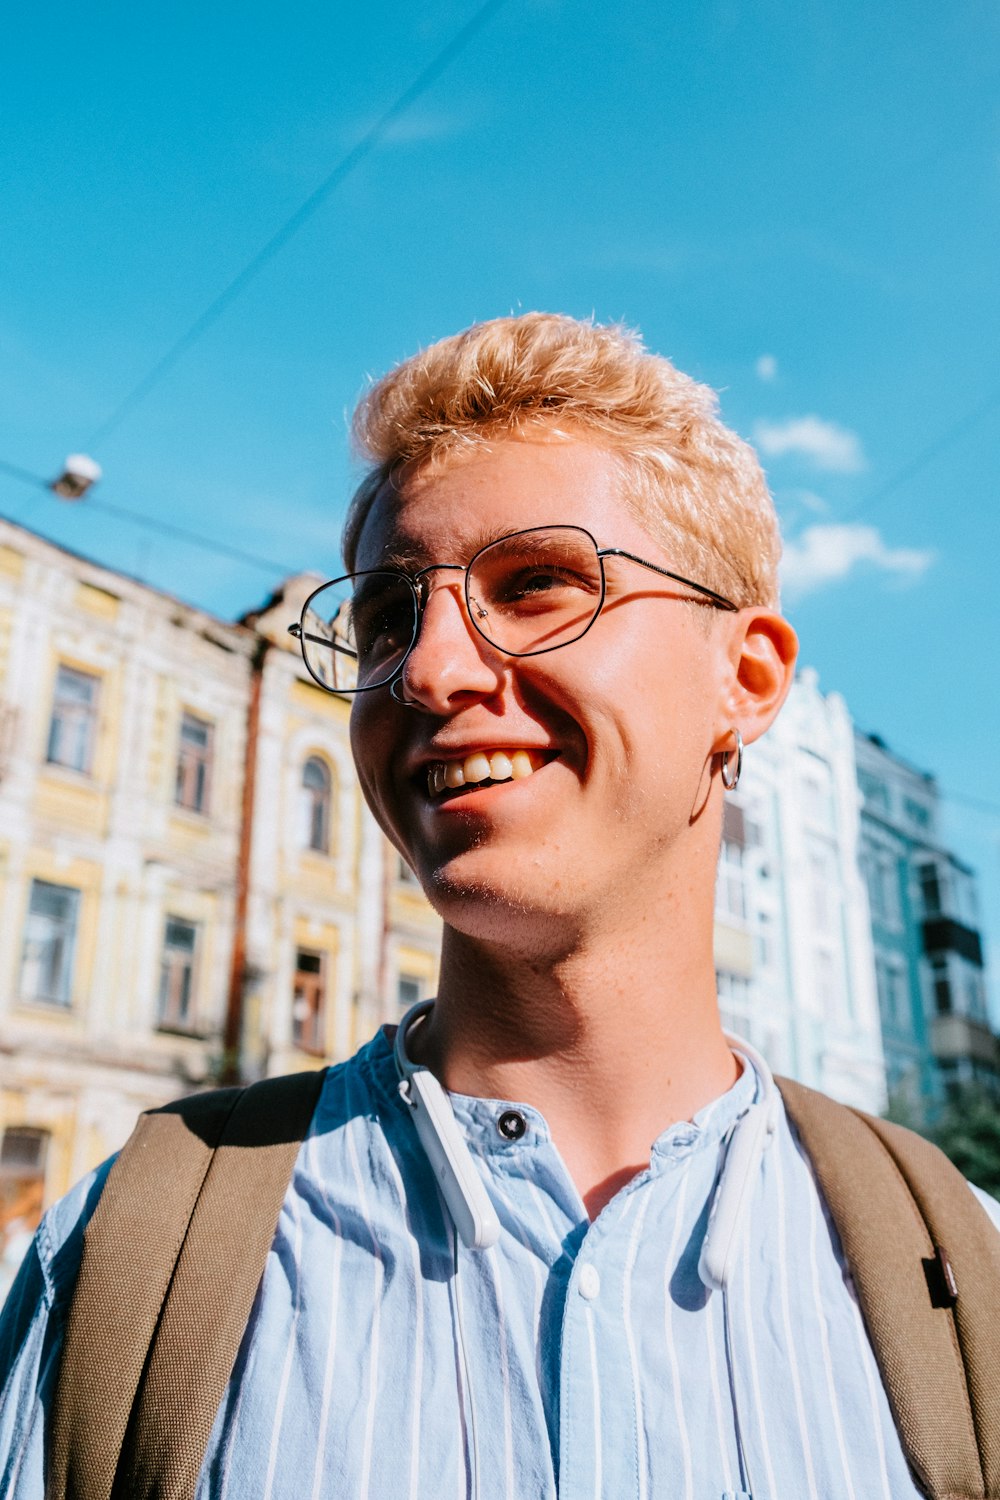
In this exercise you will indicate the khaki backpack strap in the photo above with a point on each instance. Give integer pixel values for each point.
(130, 1249)
(199, 1257)
(896, 1202)
(962, 1229)
(212, 1293)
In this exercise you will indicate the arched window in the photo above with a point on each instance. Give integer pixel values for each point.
(314, 805)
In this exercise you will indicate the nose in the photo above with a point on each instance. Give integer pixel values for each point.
(449, 662)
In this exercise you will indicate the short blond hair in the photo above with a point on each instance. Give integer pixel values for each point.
(696, 487)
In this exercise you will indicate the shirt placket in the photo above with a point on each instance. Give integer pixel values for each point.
(592, 1395)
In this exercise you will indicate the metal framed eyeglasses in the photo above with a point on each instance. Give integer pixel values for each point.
(527, 593)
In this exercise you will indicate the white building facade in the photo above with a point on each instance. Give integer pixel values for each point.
(805, 991)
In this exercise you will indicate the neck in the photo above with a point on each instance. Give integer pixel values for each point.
(613, 1038)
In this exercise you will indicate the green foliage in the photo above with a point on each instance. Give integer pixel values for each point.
(968, 1131)
(902, 1110)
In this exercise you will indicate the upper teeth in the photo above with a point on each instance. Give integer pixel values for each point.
(498, 766)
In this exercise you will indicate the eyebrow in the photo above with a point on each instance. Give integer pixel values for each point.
(407, 556)
(404, 558)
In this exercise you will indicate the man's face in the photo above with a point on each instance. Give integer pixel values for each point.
(619, 724)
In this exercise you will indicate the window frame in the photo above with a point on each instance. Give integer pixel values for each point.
(193, 759)
(177, 1012)
(63, 1000)
(309, 988)
(419, 988)
(732, 897)
(22, 1186)
(73, 717)
(315, 808)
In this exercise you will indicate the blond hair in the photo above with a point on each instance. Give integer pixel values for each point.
(695, 486)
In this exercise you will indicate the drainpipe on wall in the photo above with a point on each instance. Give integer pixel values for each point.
(388, 885)
(232, 1036)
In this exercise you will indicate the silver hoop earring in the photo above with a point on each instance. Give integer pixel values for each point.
(731, 779)
(397, 682)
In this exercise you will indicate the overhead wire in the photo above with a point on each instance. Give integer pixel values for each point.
(926, 455)
(238, 284)
(295, 221)
(16, 472)
(194, 539)
(907, 471)
(978, 804)
(165, 528)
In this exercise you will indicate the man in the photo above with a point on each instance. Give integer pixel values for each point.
(560, 631)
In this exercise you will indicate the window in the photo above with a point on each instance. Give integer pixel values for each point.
(409, 990)
(917, 812)
(874, 790)
(883, 887)
(49, 940)
(23, 1150)
(307, 1001)
(314, 805)
(734, 1003)
(822, 886)
(22, 1185)
(892, 994)
(975, 998)
(941, 982)
(730, 898)
(404, 874)
(194, 764)
(74, 720)
(175, 1008)
(764, 946)
(930, 890)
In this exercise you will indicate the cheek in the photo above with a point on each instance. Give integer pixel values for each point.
(370, 748)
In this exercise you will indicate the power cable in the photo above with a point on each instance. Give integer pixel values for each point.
(194, 539)
(980, 804)
(181, 533)
(165, 528)
(940, 443)
(292, 225)
(25, 475)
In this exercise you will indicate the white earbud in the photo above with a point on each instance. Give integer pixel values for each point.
(750, 1138)
(461, 1186)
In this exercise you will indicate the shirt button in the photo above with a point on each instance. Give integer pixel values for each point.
(589, 1282)
(512, 1125)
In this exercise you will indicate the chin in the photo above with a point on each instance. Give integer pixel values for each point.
(526, 911)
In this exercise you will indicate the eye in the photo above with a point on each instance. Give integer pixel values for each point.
(541, 582)
(382, 618)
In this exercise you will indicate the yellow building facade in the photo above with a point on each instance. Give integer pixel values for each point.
(190, 884)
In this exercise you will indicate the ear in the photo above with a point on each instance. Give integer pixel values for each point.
(762, 648)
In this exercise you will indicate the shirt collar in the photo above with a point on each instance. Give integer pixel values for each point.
(479, 1117)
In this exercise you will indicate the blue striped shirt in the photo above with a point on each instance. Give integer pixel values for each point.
(573, 1359)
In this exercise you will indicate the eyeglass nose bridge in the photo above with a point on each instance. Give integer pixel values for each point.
(422, 590)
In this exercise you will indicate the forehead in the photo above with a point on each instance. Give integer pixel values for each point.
(447, 512)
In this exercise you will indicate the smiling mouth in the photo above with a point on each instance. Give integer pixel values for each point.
(449, 778)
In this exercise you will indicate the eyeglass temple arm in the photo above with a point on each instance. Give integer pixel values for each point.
(665, 573)
(319, 640)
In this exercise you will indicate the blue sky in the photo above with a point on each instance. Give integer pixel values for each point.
(800, 205)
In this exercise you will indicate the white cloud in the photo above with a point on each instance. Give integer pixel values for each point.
(825, 554)
(766, 367)
(826, 444)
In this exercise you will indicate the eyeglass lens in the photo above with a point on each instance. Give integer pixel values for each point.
(526, 594)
